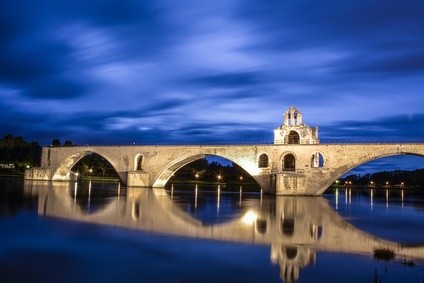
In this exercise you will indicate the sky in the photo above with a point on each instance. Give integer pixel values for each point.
(102, 71)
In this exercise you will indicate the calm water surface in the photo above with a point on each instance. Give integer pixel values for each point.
(100, 232)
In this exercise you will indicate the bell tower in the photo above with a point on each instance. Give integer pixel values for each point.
(293, 131)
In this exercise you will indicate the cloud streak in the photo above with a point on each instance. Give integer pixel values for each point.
(155, 71)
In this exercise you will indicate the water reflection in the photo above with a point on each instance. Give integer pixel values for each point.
(295, 228)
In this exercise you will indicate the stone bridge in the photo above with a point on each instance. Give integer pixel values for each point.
(295, 228)
(286, 169)
(296, 164)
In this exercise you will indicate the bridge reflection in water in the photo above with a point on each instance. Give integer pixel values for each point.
(294, 227)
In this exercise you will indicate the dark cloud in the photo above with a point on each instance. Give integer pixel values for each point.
(324, 23)
(402, 127)
(382, 38)
(389, 65)
(37, 53)
(229, 80)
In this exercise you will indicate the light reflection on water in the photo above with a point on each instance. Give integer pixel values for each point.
(214, 204)
(269, 238)
(393, 214)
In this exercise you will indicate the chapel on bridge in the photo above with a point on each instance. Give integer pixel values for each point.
(293, 131)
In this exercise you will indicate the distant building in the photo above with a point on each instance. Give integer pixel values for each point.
(7, 166)
(293, 131)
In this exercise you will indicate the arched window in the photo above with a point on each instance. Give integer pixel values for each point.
(139, 163)
(289, 162)
(293, 138)
(317, 160)
(263, 161)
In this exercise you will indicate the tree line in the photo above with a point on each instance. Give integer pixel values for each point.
(19, 153)
(395, 178)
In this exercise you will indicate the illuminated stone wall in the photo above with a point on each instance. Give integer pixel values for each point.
(159, 162)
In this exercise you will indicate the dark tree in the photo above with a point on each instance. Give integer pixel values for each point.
(56, 143)
(68, 143)
(19, 152)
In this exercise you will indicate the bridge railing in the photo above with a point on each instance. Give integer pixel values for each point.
(227, 143)
(181, 143)
(371, 140)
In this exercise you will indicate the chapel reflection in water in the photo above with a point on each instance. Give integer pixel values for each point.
(295, 228)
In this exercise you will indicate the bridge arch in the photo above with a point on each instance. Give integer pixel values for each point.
(343, 169)
(63, 170)
(172, 167)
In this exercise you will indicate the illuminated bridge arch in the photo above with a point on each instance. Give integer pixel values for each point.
(63, 171)
(365, 159)
(177, 164)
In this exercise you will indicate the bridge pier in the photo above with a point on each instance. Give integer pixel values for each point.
(137, 179)
(37, 173)
(290, 183)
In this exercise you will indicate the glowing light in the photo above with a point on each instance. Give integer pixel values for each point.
(249, 217)
(195, 197)
(337, 198)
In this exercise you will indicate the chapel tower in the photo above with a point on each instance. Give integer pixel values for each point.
(293, 131)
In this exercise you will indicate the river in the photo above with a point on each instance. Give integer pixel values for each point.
(102, 232)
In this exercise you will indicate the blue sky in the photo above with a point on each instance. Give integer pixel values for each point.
(152, 71)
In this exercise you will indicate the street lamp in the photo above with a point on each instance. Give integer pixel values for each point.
(219, 177)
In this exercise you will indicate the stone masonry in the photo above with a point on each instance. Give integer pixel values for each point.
(299, 166)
